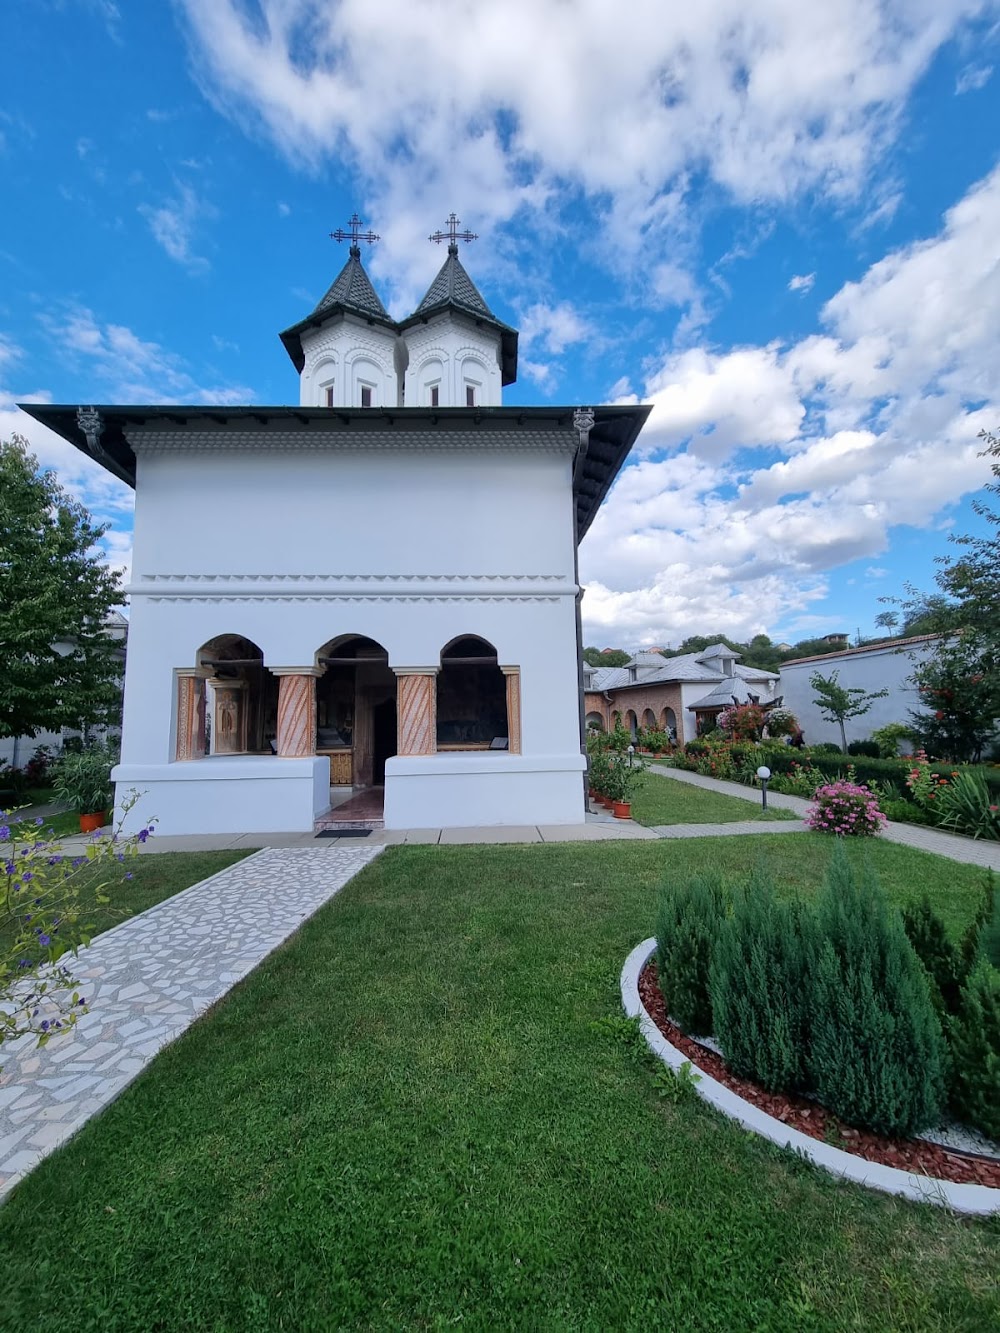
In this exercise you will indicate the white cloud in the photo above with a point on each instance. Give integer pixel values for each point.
(500, 104)
(874, 423)
(128, 368)
(174, 223)
(972, 78)
(555, 327)
(283, 209)
(802, 282)
(9, 352)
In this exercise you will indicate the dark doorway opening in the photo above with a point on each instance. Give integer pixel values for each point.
(384, 738)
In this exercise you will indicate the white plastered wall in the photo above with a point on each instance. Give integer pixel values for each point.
(346, 354)
(453, 352)
(291, 549)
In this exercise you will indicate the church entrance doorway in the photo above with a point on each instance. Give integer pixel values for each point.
(355, 710)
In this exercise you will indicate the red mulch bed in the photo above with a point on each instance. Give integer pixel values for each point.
(924, 1159)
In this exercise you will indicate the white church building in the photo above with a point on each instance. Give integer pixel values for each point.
(371, 595)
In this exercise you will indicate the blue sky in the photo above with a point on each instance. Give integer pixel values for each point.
(780, 227)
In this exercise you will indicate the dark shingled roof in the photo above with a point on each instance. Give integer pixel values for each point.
(350, 293)
(453, 289)
(352, 290)
(453, 286)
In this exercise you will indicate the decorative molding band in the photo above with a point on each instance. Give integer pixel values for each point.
(375, 589)
(352, 578)
(249, 595)
(345, 438)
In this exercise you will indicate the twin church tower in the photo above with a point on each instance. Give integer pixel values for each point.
(451, 352)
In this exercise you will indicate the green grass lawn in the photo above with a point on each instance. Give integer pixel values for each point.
(60, 825)
(666, 801)
(406, 1118)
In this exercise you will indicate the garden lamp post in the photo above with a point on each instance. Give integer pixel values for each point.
(631, 752)
(764, 774)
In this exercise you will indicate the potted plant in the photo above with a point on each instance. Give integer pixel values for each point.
(83, 781)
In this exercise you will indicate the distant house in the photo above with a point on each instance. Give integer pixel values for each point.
(888, 665)
(837, 640)
(674, 694)
(17, 750)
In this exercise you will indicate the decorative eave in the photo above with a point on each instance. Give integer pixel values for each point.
(508, 336)
(106, 433)
(292, 337)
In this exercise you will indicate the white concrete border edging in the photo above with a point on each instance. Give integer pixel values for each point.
(974, 1199)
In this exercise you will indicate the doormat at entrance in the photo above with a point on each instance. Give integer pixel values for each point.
(344, 833)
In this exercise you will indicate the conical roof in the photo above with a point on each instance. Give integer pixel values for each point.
(453, 289)
(351, 289)
(351, 292)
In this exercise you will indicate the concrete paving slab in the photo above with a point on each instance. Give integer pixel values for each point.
(618, 831)
(496, 834)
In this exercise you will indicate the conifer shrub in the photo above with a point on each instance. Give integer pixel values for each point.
(973, 938)
(876, 1055)
(759, 984)
(688, 922)
(975, 1048)
(941, 959)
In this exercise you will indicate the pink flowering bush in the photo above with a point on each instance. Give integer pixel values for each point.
(846, 809)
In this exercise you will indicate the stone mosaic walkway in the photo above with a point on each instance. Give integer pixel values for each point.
(147, 980)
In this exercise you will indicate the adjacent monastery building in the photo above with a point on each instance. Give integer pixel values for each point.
(370, 595)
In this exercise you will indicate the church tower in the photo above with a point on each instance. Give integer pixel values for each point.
(346, 350)
(451, 352)
(458, 354)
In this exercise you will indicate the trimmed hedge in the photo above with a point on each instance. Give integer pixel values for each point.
(687, 926)
(975, 1045)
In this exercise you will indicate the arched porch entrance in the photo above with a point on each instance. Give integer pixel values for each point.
(355, 710)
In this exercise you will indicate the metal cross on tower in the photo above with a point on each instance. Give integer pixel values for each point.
(453, 235)
(355, 234)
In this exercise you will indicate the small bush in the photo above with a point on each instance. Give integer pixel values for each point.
(941, 959)
(688, 923)
(759, 973)
(868, 748)
(973, 937)
(965, 805)
(826, 747)
(975, 1047)
(904, 812)
(846, 809)
(876, 1055)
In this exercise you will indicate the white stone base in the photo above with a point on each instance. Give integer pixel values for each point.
(240, 794)
(484, 788)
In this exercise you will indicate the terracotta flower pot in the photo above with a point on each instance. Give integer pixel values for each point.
(622, 809)
(91, 823)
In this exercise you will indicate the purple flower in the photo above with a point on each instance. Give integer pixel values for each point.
(128, 874)
(44, 940)
(39, 821)
(4, 832)
(143, 834)
(45, 1023)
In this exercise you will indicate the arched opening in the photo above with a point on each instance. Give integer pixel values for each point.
(668, 723)
(648, 720)
(631, 723)
(595, 722)
(237, 711)
(355, 710)
(471, 697)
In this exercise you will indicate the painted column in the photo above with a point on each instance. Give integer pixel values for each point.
(416, 709)
(296, 711)
(513, 675)
(190, 743)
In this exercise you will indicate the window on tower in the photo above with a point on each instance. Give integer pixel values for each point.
(470, 395)
(366, 395)
(329, 395)
(435, 395)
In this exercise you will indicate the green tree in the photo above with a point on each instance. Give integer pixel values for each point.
(887, 620)
(604, 657)
(959, 682)
(57, 663)
(839, 704)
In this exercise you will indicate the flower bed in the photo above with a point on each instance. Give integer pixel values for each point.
(916, 1155)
